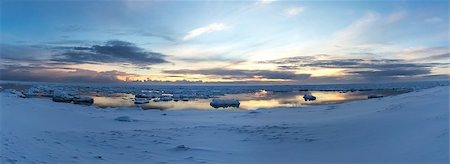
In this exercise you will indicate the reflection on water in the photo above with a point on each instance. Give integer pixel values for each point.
(249, 101)
(295, 99)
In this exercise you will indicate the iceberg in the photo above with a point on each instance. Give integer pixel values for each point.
(16, 93)
(83, 100)
(32, 92)
(141, 101)
(166, 98)
(309, 97)
(374, 96)
(62, 97)
(217, 103)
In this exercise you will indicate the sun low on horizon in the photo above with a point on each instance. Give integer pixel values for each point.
(256, 42)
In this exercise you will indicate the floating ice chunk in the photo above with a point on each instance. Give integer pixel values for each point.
(62, 97)
(83, 100)
(141, 101)
(309, 97)
(374, 96)
(148, 95)
(217, 103)
(17, 93)
(166, 98)
(142, 95)
(47, 93)
(32, 92)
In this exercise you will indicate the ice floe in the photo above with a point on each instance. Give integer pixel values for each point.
(141, 101)
(83, 100)
(217, 103)
(62, 97)
(374, 96)
(309, 97)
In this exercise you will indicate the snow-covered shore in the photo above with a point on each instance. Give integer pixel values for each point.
(410, 128)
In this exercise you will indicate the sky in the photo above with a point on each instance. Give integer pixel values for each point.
(243, 42)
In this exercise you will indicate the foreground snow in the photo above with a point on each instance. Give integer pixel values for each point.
(412, 127)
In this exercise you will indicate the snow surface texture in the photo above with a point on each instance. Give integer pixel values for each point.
(408, 128)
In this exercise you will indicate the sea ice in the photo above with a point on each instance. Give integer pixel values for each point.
(309, 97)
(83, 100)
(62, 97)
(374, 96)
(141, 101)
(217, 103)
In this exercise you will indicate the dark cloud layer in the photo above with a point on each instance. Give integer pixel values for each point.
(369, 69)
(311, 61)
(390, 73)
(23, 52)
(47, 63)
(239, 74)
(112, 52)
(44, 74)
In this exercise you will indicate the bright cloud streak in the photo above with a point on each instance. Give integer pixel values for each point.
(266, 1)
(204, 30)
(294, 11)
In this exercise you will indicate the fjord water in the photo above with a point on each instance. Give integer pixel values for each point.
(249, 101)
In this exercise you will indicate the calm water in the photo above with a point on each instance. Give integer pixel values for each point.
(249, 101)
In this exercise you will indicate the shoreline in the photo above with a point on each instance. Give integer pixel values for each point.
(275, 99)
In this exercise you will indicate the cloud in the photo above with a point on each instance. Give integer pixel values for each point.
(391, 73)
(113, 51)
(69, 42)
(265, 2)
(242, 74)
(204, 30)
(363, 63)
(434, 20)
(164, 33)
(45, 74)
(369, 69)
(440, 57)
(396, 16)
(23, 52)
(73, 28)
(204, 52)
(293, 11)
(371, 32)
(165, 37)
(423, 53)
(311, 61)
